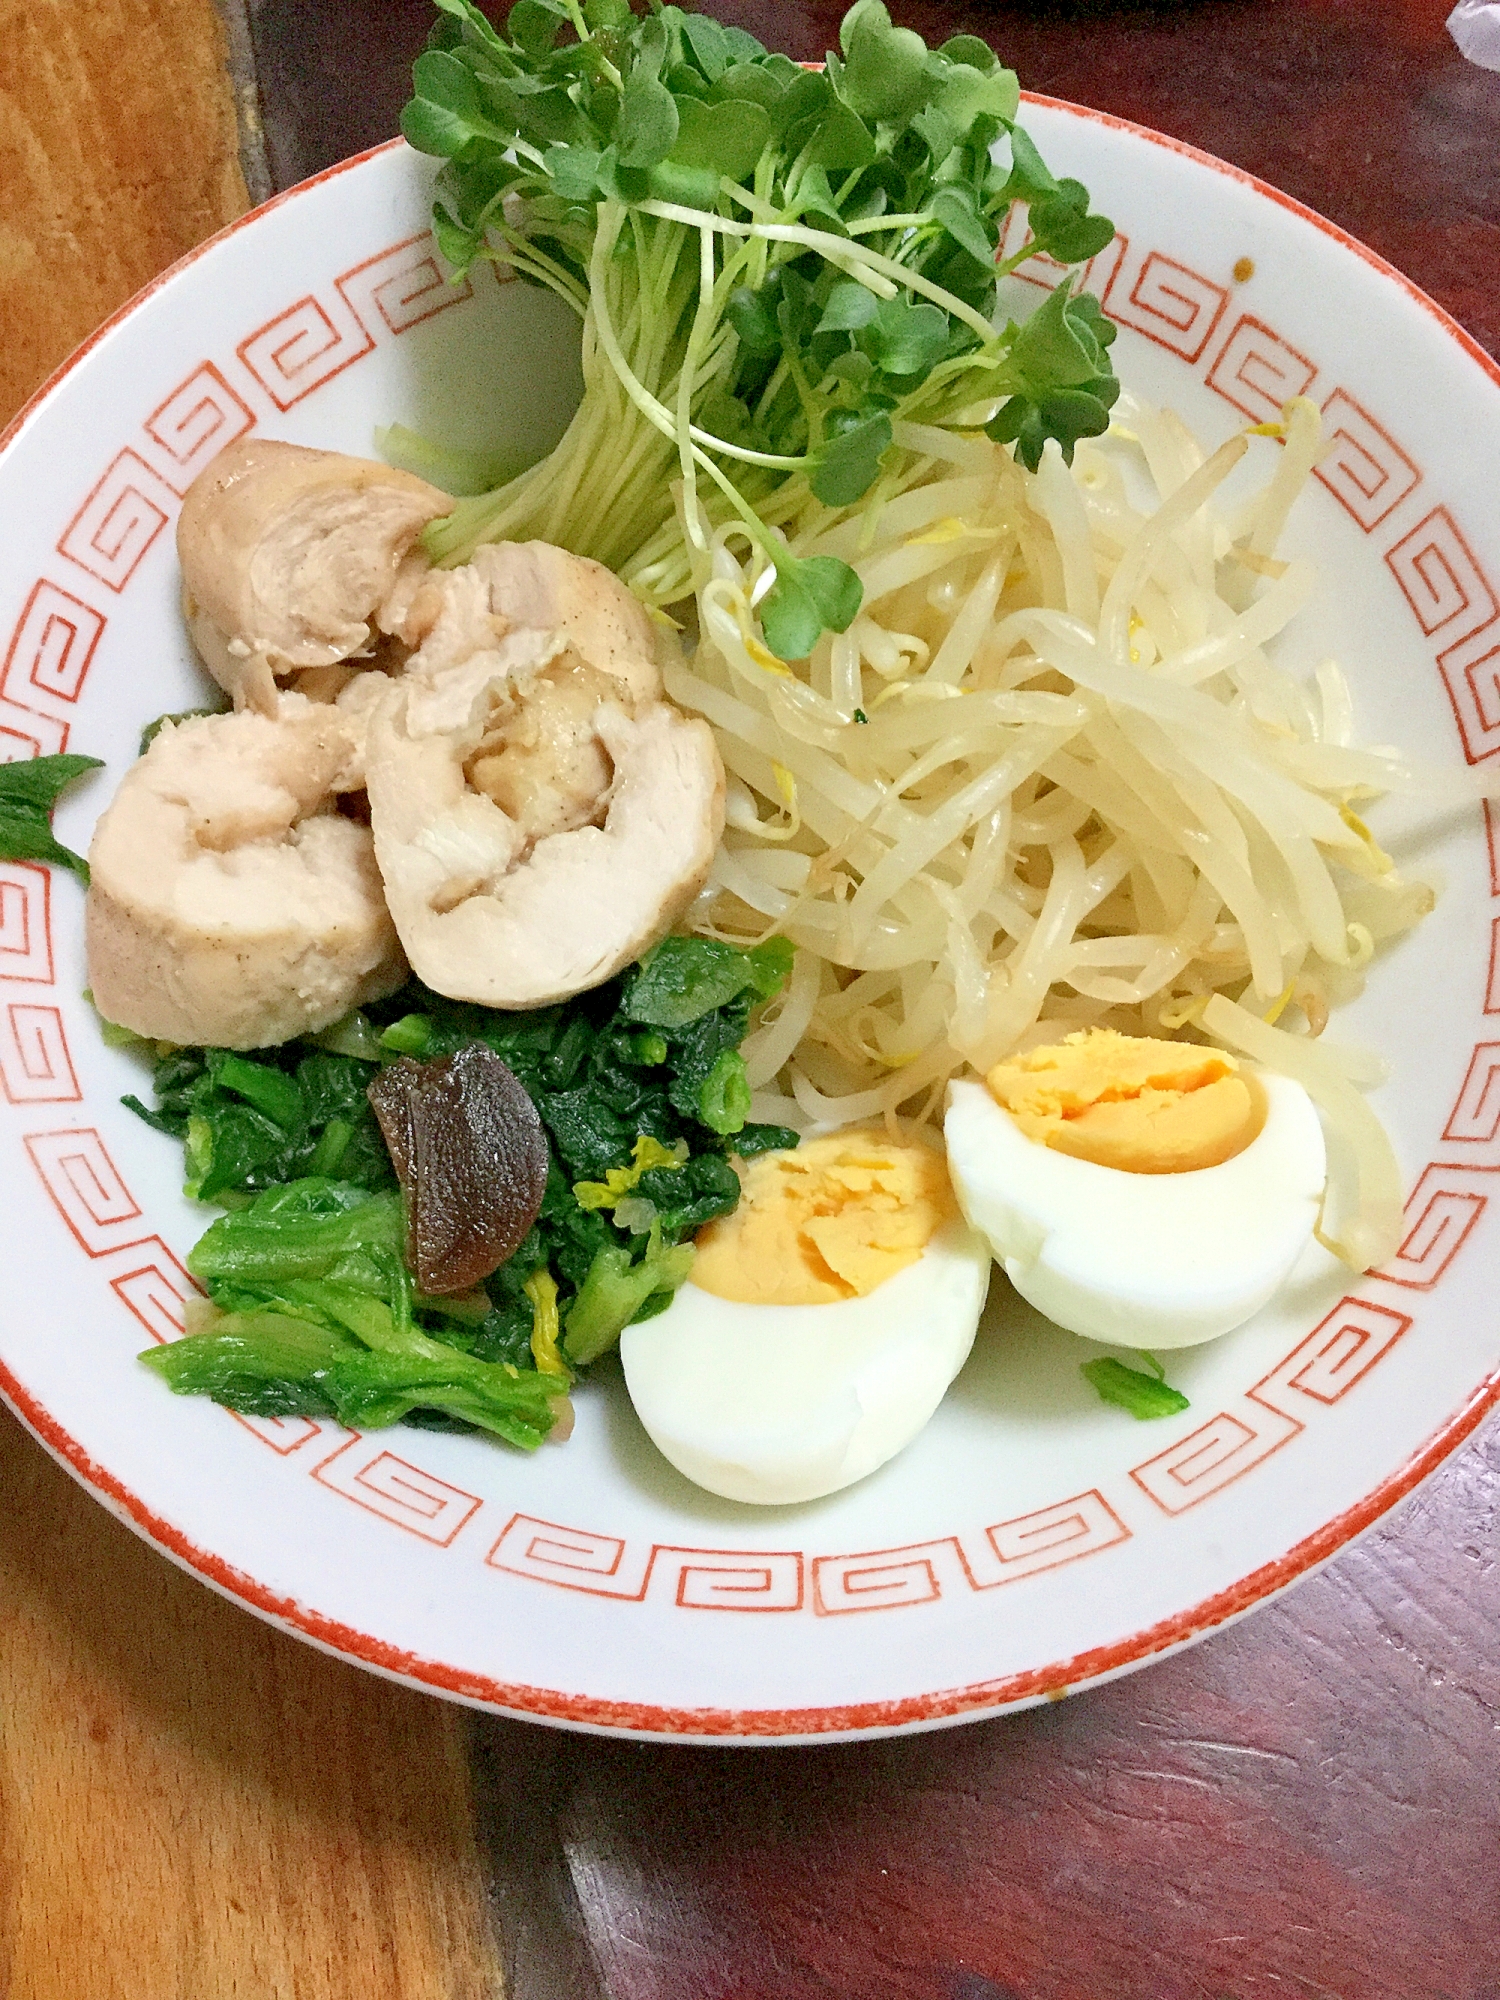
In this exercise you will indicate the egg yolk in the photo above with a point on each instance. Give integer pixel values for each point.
(830, 1221)
(1125, 1101)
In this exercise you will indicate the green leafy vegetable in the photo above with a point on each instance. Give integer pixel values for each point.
(685, 978)
(1144, 1396)
(318, 1319)
(775, 268)
(28, 792)
(642, 1090)
(614, 1291)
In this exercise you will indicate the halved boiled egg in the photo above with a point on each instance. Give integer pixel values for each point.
(822, 1323)
(1146, 1193)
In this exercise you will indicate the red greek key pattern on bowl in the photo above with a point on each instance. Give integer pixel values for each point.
(304, 347)
(35, 1067)
(52, 647)
(25, 922)
(85, 1185)
(398, 1491)
(283, 1434)
(1259, 372)
(1440, 1215)
(1340, 1351)
(1441, 579)
(156, 1289)
(1492, 979)
(1475, 1118)
(880, 1579)
(401, 286)
(119, 522)
(1172, 305)
(194, 424)
(606, 1566)
(883, 1579)
(1214, 1455)
(1363, 467)
(25, 734)
(1471, 675)
(576, 1558)
(747, 1580)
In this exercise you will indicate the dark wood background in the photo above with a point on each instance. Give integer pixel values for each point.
(1306, 1805)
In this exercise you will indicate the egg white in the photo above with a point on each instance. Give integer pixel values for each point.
(1140, 1260)
(773, 1403)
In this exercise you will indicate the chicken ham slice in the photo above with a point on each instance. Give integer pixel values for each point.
(287, 555)
(541, 815)
(230, 904)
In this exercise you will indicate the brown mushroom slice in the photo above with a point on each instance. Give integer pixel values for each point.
(231, 904)
(612, 822)
(286, 556)
(471, 1156)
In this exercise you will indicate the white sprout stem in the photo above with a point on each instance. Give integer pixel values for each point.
(838, 251)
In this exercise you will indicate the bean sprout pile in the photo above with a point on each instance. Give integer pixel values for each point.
(1052, 777)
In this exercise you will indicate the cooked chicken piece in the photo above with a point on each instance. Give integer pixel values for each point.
(287, 554)
(508, 588)
(540, 758)
(541, 816)
(230, 905)
(489, 912)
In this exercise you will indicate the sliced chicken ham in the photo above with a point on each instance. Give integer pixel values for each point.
(541, 815)
(231, 904)
(287, 555)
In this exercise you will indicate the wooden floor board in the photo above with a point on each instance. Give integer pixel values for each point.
(192, 1806)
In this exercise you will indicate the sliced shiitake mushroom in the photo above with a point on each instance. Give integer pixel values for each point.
(471, 1157)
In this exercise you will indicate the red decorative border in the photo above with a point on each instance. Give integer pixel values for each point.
(935, 1706)
(1363, 467)
(120, 522)
(403, 288)
(195, 422)
(1176, 307)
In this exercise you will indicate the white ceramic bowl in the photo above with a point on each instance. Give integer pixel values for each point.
(1032, 1540)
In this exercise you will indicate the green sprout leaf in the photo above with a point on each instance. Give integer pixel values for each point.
(969, 49)
(848, 466)
(1064, 386)
(885, 68)
(848, 307)
(447, 113)
(727, 138)
(956, 208)
(649, 122)
(808, 598)
(1144, 1396)
(906, 339)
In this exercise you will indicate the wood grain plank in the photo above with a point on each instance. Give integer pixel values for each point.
(118, 152)
(193, 1805)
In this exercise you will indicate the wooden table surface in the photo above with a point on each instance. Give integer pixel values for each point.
(194, 1806)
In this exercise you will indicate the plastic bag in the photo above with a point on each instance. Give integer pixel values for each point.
(1475, 26)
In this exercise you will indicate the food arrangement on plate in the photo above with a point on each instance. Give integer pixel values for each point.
(834, 823)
